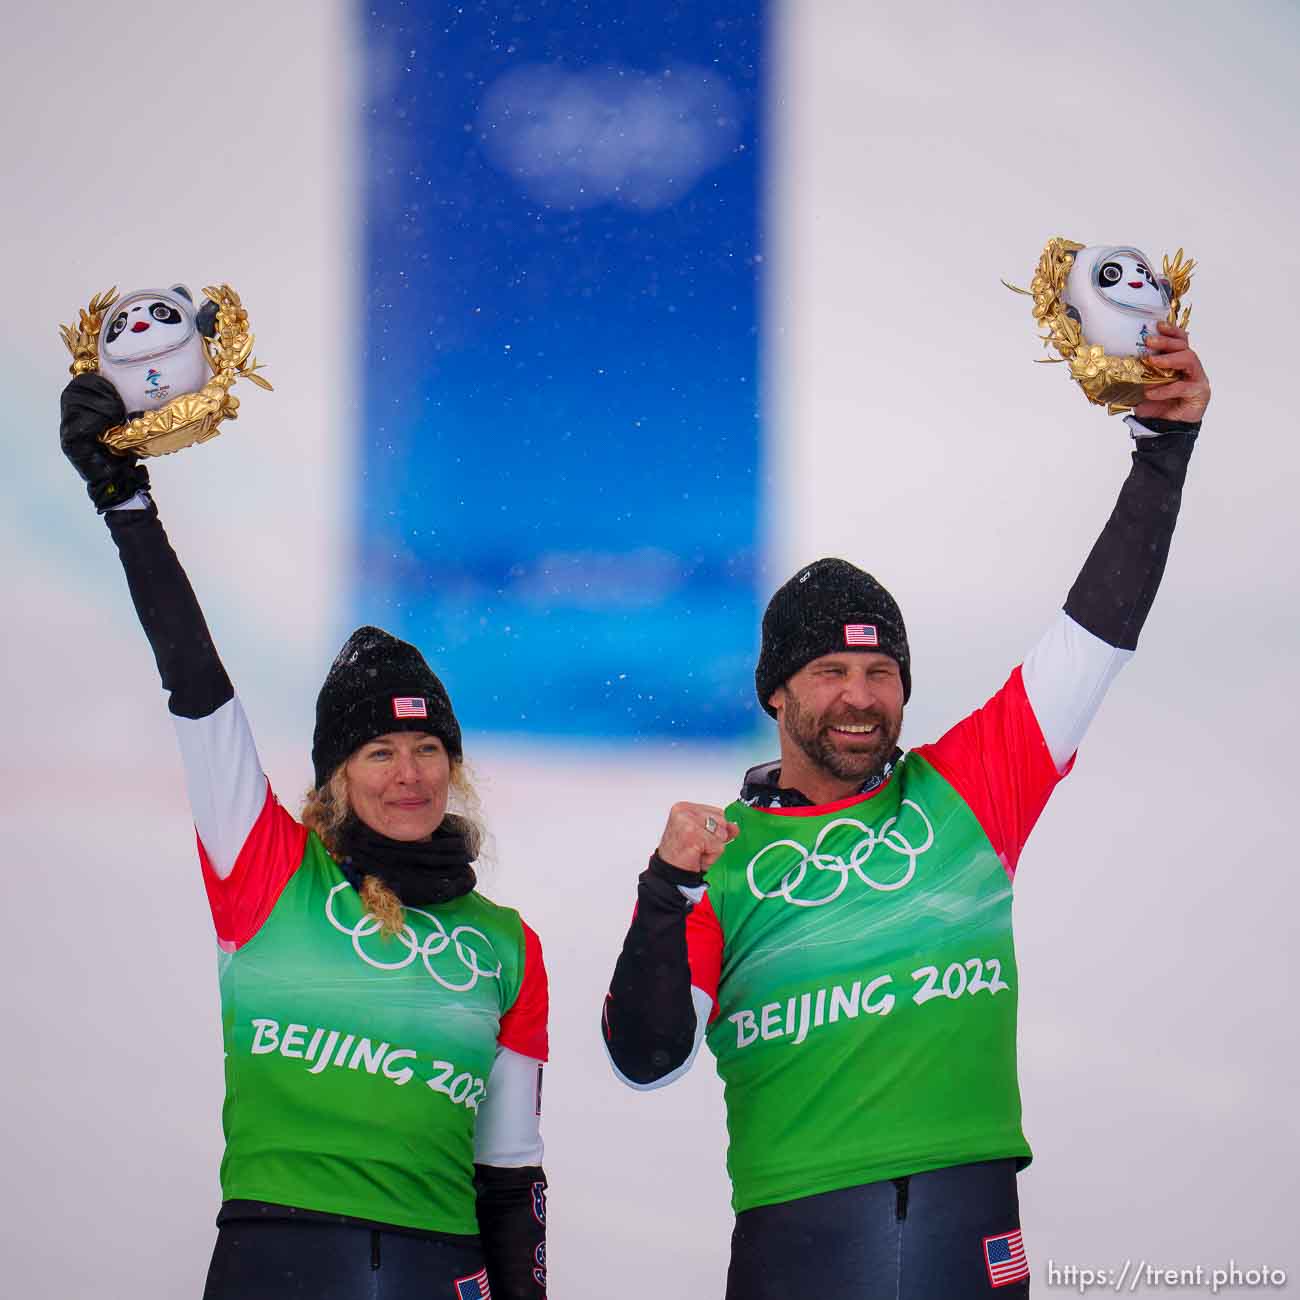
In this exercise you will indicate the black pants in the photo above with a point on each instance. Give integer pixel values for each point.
(282, 1260)
(917, 1238)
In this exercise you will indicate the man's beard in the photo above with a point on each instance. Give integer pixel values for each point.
(865, 760)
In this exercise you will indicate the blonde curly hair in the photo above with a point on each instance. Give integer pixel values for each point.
(326, 808)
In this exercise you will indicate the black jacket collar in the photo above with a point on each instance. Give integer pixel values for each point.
(762, 786)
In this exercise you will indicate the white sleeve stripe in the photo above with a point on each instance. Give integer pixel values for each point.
(1066, 676)
(141, 501)
(224, 777)
(703, 1010)
(1137, 429)
(508, 1131)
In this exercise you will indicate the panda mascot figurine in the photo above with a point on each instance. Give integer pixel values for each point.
(1099, 304)
(151, 347)
(1116, 298)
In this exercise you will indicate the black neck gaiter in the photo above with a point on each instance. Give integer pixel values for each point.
(762, 786)
(435, 870)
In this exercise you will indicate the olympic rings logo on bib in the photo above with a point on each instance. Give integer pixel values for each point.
(435, 943)
(800, 888)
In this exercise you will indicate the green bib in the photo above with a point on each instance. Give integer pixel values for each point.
(355, 1063)
(867, 1001)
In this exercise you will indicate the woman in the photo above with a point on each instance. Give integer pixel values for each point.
(384, 1023)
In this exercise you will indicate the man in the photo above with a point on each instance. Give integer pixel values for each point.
(842, 932)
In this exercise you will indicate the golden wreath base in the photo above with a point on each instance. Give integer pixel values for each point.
(1116, 383)
(183, 422)
(1113, 382)
(193, 417)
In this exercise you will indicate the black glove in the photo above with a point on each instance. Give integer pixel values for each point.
(206, 319)
(90, 406)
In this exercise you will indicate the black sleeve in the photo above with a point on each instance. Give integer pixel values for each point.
(187, 661)
(649, 1017)
(1118, 581)
(511, 1206)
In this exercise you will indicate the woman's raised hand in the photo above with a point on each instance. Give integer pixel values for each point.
(90, 406)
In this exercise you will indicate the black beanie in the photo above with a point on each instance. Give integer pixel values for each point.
(378, 684)
(825, 608)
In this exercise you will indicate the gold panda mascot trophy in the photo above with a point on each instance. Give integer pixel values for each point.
(172, 366)
(1099, 303)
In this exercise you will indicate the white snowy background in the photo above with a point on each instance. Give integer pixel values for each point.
(918, 154)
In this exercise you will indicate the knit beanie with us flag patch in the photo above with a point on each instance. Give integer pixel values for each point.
(378, 684)
(828, 607)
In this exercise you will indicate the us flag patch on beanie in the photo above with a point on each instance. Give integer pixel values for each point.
(860, 634)
(1004, 1257)
(410, 706)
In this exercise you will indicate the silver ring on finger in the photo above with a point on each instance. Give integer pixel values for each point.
(711, 824)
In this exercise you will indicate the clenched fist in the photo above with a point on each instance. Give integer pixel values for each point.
(695, 836)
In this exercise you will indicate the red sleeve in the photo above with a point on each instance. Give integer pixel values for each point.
(998, 761)
(243, 900)
(523, 1027)
(704, 950)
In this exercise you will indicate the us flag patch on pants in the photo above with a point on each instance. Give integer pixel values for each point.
(474, 1287)
(1004, 1257)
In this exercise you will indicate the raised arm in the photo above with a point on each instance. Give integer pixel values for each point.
(1069, 670)
(1006, 758)
(227, 787)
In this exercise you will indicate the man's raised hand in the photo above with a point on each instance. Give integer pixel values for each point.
(695, 836)
(1188, 396)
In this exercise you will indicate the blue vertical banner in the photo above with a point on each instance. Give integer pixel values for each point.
(559, 450)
